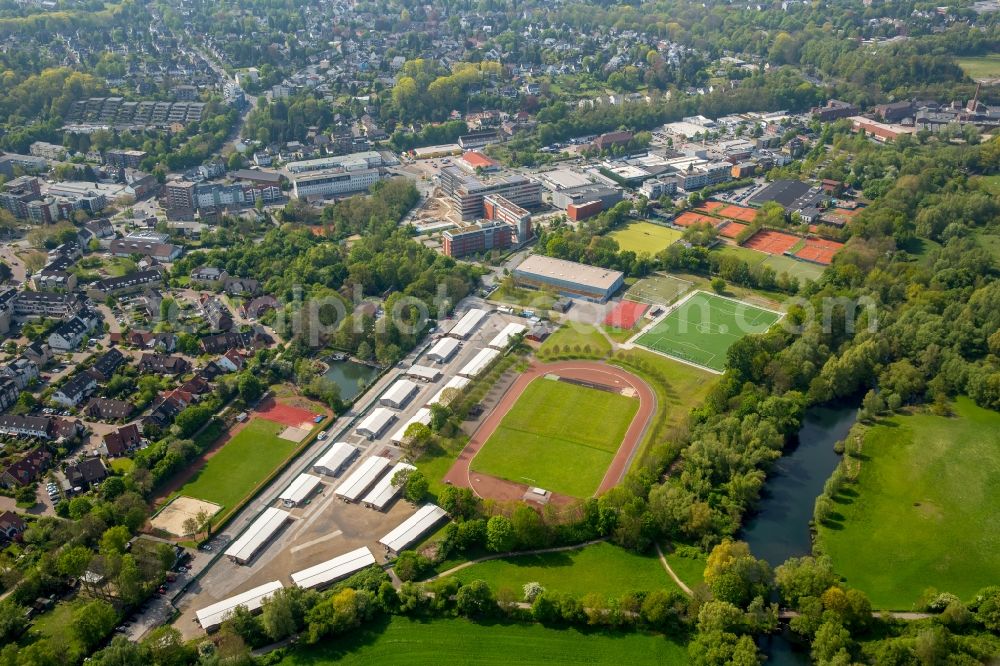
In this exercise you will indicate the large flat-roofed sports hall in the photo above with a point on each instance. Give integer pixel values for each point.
(702, 328)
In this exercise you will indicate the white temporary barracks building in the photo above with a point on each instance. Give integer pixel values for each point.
(299, 490)
(399, 394)
(479, 363)
(257, 535)
(362, 478)
(385, 490)
(423, 373)
(423, 415)
(503, 338)
(211, 617)
(413, 528)
(376, 423)
(331, 571)
(467, 324)
(457, 383)
(443, 350)
(336, 458)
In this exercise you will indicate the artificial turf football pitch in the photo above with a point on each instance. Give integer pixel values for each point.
(703, 328)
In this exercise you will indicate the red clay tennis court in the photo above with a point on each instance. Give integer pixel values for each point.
(732, 229)
(741, 213)
(771, 242)
(290, 416)
(710, 206)
(626, 314)
(819, 251)
(689, 219)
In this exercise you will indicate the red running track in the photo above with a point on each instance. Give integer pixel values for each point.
(487, 486)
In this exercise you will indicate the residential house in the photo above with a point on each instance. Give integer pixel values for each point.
(75, 390)
(107, 409)
(107, 365)
(208, 276)
(122, 441)
(21, 370)
(27, 469)
(26, 426)
(9, 393)
(235, 286)
(125, 247)
(39, 353)
(12, 526)
(231, 361)
(218, 315)
(86, 473)
(97, 230)
(125, 284)
(48, 304)
(162, 364)
(223, 342)
(71, 333)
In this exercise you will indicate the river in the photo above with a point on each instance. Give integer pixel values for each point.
(779, 528)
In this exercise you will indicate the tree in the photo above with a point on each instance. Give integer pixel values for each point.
(718, 285)
(734, 575)
(664, 610)
(73, 561)
(249, 387)
(339, 613)
(13, 620)
(93, 621)
(410, 565)
(114, 540)
(458, 502)
(500, 536)
(804, 577)
(417, 486)
(831, 644)
(475, 600)
(278, 615)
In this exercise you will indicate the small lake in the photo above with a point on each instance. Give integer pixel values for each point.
(780, 527)
(351, 377)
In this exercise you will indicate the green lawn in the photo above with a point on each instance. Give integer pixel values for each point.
(660, 289)
(802, 270)
(602, 568)
(991, 243)
(679, 387)
(408, 642)
(703, 328)
(122, 465)
(645, 237)
(241, 464)
(691, 570)
(578, 338)
(923, 512)
(981, 67)
(52, 626)
(558, 436)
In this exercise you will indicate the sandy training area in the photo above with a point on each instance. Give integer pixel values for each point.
(171, 518)
(293, 434)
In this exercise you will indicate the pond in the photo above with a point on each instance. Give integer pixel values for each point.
(779, 529)
(352, 377)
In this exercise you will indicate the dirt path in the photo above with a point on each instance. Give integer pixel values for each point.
(487, 486)
(521, 553)
(666, 565)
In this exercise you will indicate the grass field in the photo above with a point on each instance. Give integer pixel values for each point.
(53, 627)
(691, 570)
(780, 263)
(576, 335)
(703, 328)
(645, 237)
(991, 243)
(981, 67)
(659, 289)
(602, 568)
(923, 511)
(558, 436)
(407, 642)
(240, 464)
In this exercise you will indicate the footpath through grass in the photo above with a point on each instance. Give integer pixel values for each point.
(602, 568)
(408, 642)
(241, 463)
(558, 436)
(923, 512)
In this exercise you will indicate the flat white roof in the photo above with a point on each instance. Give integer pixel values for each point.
(333, 570)
(376, 422)
(502, 340)
(212, 616)
(569, 271)
(423, 415)
(334, 458)
(467, 323)
(258, 533)
(424, 372)
(413, 527)
(299, 489)
(443, 349)
(362, 478)
(478, 363)
(384, 491)
(457, 383)
(399, 393)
